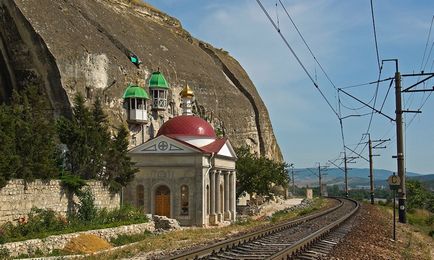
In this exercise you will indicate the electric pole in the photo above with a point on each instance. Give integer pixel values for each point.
(371, 171)
(319, 175)
(293, 184)
(399, 145)
(399, 126)
(371, 162)
(319, 181)
(346, 174)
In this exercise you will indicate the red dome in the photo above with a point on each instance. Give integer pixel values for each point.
(187, 125)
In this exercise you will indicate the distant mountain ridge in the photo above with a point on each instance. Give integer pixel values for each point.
(357, 177)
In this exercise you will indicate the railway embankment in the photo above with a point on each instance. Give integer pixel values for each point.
(371, 238)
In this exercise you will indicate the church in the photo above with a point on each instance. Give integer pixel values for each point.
(185, 172)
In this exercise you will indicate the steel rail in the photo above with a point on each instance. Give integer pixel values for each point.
(224, 245)
(306, 242)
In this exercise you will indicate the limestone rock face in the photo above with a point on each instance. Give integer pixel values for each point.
(72, 46)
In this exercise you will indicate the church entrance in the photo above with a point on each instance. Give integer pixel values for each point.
(162, 201)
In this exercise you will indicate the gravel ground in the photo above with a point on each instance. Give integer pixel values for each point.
(371, 236)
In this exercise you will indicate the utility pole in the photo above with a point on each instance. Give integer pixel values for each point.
(319, 175)
(371, 162)
(293, 183)
(371, 171)
(400, 147)
(399, 126)
(319, 181)
(346, 174)
(399, 144)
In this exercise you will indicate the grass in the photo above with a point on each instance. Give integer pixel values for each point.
(128, 239)
(200, 236)
(282, 215)
(414, 235)
(44, 223)
(423, 220)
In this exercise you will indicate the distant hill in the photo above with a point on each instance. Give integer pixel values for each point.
(357, 177)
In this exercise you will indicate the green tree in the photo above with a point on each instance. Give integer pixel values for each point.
(87, 137)
(259, 174)
(100, 137)
(28, 141)
(120, 170)
(36, 137)
(9, 159)
(72, 132)
(91, 152)
(418, 196)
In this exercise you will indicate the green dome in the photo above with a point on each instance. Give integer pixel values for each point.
(134, 91)
(158, 81)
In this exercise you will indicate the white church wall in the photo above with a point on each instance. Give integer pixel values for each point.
(173, 172)
(224, 163)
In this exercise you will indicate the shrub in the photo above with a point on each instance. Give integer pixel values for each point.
(42, 223)
(4, 253)
(38, 223)
(87, 210)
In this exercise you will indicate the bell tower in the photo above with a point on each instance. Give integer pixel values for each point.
(187, 96)
(159, 91)
(135, 103)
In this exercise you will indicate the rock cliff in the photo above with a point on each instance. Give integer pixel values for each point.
(72, 46)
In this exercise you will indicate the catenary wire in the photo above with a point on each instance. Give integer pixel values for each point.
(423, 64)
(296, 57)
(367, 83)
(426, 44)
(375, 36)
(387, 94)
(307, 45)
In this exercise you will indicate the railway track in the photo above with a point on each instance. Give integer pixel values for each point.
(296, 238)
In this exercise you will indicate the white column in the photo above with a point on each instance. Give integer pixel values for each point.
(217, 195)
(212, 216)
(232, 195)
(227, 213)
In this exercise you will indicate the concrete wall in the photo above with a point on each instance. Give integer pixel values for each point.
(17, 199)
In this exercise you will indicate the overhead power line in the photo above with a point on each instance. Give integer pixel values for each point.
(307, 45)
(375, 35)
(296, 57)
(423, 64)
(367, 83)
(426, 44)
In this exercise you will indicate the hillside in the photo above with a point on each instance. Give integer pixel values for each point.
(72, 46)
(357, 177)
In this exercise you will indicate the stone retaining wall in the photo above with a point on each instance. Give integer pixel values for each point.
(48, 244)
(17, 198)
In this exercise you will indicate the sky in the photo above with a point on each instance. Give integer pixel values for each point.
(341, 37)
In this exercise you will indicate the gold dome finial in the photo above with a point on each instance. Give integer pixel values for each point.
(187, 92)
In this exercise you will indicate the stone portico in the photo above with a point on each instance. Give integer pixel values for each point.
(195, 185)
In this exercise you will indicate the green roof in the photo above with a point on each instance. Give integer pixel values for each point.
(158, 81)
(134, 91)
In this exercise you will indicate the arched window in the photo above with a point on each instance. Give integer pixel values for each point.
(184, 200)
(140, 196)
